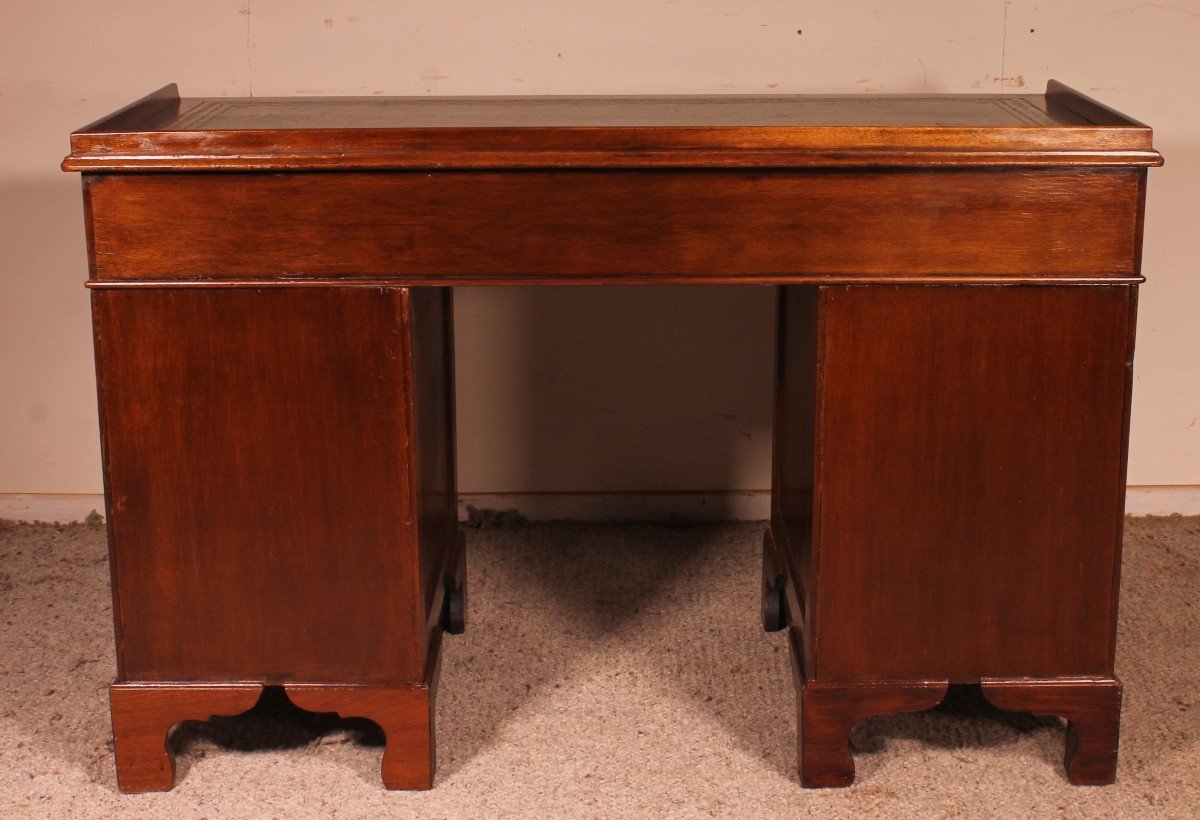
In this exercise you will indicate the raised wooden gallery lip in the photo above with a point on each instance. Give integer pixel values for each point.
(163, 132)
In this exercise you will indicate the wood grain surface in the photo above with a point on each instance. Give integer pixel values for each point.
(826, 712)
(969, 482)
(260, 493)
(274, 350)
(143, 715)
(405, 713)
(581, 227)
(1092, 709)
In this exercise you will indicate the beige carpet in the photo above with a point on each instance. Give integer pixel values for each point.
(608, 670)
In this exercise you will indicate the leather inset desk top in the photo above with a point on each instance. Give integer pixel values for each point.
(164, 132)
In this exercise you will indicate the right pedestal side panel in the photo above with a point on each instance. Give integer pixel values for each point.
(969, 484)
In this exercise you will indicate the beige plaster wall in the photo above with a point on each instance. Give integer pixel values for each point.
(571, 389)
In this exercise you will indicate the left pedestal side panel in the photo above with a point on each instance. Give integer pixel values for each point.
(258, 458)
(279, 472)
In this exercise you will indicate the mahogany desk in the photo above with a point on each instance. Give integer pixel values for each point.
(271, 291)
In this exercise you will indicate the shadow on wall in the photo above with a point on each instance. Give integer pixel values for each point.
(49, 443)
(614, 389)
(1164, 445)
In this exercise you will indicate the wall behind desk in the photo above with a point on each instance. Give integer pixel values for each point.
(574, 390)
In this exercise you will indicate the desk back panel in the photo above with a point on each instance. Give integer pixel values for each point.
(580, 226)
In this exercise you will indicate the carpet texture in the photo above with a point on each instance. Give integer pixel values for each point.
(607, 670)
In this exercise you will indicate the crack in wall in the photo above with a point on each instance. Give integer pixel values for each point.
(246, 12)
(1004, 48)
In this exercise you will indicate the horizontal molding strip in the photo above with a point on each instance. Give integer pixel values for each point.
(693, 158)
(601, 279)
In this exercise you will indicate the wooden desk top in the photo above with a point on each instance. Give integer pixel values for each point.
(164, 132)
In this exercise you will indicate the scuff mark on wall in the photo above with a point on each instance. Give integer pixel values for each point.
(971, 39)
(1002, 82)
(1160, 6)
(337, 90)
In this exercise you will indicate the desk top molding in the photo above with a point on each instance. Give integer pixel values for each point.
(164, 132)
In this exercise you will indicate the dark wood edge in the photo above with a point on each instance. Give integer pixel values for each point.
(745, 159)
(1054, 689)
(517, 139)
(1122, 478)
(411, 456)
(776, 402)
(451, 559)
(160, 98)
(452, 422)
(109, 507)
(816, 558)
(1139, 226)
(362, 686)
(166, 94)
(448, 569)
(936, 686)
(428, 683)
(606, 279)
(433, 663)
(429, 680)
(89, 232)
(780, 550)
(187, 686)
(777, 537)
(1092, 110)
